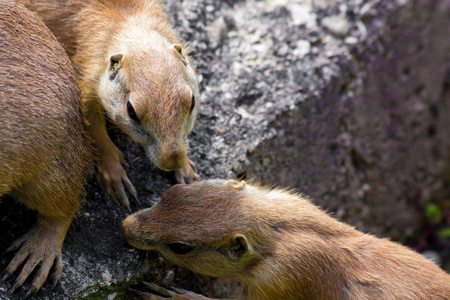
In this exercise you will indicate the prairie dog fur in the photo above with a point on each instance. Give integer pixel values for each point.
(279, 246)
(45, 150)
(135, 71)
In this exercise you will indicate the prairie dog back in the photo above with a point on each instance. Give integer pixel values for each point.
(45, 149)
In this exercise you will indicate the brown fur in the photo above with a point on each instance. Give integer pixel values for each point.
(45, 155)
(152, 72)
(280, 246)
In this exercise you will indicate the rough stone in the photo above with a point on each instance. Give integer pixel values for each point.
(360, 124)
(338, 25)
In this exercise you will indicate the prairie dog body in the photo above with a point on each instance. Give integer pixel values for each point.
(45, 154)
(136, 71)
(279, 245)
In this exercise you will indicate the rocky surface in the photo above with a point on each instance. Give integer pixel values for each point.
(346, 101)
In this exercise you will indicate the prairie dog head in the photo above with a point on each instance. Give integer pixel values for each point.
(201, 227)
(149, 90)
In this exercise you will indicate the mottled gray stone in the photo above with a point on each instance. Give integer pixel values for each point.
(337, 25)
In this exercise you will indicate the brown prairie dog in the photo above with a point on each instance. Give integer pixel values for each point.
(279, 246)
(45, 154)
(134, 69)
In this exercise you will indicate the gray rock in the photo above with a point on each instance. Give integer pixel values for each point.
(218, 31)
(337, 25)
(303, 47)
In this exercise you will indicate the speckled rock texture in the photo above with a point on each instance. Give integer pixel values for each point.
(345, 101)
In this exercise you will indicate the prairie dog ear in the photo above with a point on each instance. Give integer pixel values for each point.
(180, 51)
(115, 63)
(238, 247)
(237, 185)
(178, 48)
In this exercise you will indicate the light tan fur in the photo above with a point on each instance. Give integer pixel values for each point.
(279, 245)
(128, 54)
(45, 154)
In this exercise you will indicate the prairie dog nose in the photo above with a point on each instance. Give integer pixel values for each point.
(128, 226)
(173, 161)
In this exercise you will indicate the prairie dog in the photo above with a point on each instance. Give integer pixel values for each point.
(45, 153)
(279, 246)
(135, 71)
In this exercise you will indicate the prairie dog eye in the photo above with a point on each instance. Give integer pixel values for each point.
(192, 104)
(132, 113)
(180, 248)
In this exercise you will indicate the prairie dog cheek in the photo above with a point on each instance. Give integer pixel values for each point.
(110, 95)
